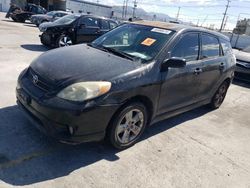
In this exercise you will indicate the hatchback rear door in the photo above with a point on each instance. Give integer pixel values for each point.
(213, 64)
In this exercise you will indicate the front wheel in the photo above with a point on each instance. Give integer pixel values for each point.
(219, 96)
(128, 125)
(64, 40)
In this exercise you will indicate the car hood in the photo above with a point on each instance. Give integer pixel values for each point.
(240, 55)
(81, 63)
(44, 26)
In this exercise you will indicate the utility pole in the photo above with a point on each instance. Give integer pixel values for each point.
(225, 13)
(126, 9)
(134, 8)
(178, 13)
(123, 8)
(225, 23)
(198, 23)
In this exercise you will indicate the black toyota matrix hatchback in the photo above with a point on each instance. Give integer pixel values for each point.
(131, 77)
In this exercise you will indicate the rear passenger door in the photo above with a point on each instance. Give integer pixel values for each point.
(180, 85)
(104, 26)
(212, 64)
(88, 29)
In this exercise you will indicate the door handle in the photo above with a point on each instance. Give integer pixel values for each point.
(197, 71)
(221, 66)
(98, 31)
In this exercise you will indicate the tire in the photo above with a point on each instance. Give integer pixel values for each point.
(64, 40)
(219, 95)
(127, 125)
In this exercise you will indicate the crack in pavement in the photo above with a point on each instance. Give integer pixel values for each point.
(12, 163)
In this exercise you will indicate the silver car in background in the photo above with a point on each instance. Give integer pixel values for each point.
(49, 17)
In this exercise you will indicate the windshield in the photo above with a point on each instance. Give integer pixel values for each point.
(66, 19)
(138, 41)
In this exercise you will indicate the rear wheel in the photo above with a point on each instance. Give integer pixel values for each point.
(219, 95)
(128, 125)
(64, 40)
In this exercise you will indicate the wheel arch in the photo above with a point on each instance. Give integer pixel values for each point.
(139, 98)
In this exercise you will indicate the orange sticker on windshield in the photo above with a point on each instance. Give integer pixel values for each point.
(148, 42)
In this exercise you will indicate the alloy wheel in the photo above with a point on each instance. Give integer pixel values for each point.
(130, 126)
(65, 41)
(220, 95)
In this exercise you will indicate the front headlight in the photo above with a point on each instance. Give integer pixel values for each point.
(84, 90)
(42, 29)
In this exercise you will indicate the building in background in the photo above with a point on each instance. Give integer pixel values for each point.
(242, 27)
(79, 6)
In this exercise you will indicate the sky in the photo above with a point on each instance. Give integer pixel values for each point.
(201, 12)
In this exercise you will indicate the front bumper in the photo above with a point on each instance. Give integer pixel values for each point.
(87, 125)
(34, 21)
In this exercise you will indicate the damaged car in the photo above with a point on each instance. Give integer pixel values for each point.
(129, 78)
(74, 29)
(21, 15)
(51, 16)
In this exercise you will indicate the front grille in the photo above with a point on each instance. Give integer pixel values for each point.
(38, 81)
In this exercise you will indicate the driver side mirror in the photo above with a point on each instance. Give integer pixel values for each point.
(173, 62)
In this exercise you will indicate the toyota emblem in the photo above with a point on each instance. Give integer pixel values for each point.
(35, 79)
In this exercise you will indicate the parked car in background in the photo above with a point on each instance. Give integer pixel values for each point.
(49, 17)
(133, 76)
(19, 15)
(242, 71)
(74, 29)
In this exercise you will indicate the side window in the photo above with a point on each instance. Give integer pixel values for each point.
(210, 46)
(90, 22)
(226, 46)
(112, 25)
(57, 15)
(34, 9)
(187, 48)
(105, 24)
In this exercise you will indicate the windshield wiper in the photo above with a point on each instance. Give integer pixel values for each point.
(97, 47)
(119, 53)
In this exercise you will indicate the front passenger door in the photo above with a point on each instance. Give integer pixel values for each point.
(180, 85)
(88, 29)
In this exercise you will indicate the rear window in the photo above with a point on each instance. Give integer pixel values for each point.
(210, 46)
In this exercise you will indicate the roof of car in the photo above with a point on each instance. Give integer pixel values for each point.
(91, 15)
(177, 27)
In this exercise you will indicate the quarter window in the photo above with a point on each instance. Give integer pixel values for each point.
(105, 24)
(226, 46)
(112, 25)
(210, 46)
(187, 48)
